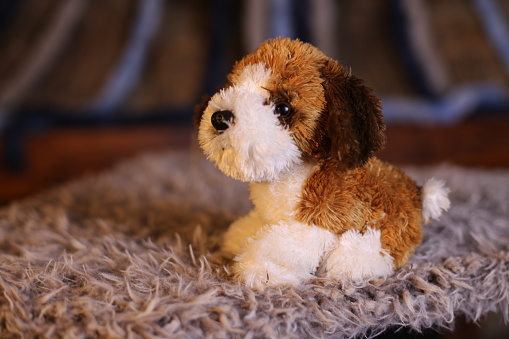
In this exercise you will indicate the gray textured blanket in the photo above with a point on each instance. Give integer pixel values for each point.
(130, 254)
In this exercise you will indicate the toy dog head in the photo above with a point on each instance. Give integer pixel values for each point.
(285, 104)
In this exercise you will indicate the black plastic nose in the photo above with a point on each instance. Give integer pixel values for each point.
(221, 120)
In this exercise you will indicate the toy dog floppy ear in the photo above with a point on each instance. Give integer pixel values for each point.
(355, 125)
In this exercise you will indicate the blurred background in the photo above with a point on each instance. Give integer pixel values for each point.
(87, 83)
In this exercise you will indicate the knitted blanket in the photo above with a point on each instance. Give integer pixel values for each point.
(130, 254)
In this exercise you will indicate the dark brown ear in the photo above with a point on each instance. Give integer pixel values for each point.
(200, 108)
(355, 125)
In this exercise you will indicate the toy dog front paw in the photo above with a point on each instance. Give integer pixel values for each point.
(284, 253)
(258, 274)
(357, 257)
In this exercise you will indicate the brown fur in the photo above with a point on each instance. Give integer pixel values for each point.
(377, 195)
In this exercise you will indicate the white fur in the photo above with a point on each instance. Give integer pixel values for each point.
(274, 202)
(285, 253)
(434, 199)
(277, 200)
(255, 147)
(357, 257)
(240, 231)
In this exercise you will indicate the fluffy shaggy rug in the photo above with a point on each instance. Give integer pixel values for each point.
(130, 254)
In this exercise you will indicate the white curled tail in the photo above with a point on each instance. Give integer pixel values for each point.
(434, 199)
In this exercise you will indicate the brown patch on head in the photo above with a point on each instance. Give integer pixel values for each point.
(296, 80)
(334, 116)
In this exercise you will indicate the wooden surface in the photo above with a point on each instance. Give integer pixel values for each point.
(58, 155)
(480, 142)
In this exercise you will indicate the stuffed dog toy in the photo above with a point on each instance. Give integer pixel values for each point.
(302, 130)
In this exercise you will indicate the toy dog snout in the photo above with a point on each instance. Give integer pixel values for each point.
(221, 120)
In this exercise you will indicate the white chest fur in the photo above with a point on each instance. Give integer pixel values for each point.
(277, 200)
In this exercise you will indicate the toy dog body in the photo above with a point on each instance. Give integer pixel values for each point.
(302, 130)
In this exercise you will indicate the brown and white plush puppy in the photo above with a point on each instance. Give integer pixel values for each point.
(301, 129)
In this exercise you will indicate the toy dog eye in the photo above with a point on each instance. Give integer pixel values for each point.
(283, 110)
